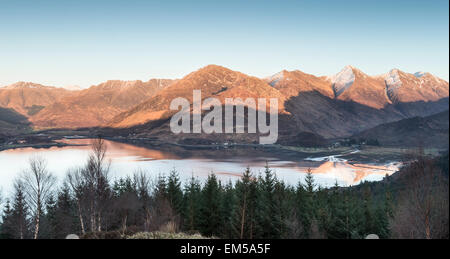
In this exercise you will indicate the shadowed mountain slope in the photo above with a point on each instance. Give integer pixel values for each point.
(331, 107)
(430, 131)
(12, 123)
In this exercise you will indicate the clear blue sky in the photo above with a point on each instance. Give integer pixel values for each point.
(87, 42)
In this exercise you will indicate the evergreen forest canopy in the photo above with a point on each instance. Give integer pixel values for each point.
(412, 203)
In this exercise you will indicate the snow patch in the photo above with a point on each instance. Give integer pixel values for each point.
(342, 80)
(273, 80)
(392, 80)
(419, 74)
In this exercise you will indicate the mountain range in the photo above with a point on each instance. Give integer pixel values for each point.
(341, 105)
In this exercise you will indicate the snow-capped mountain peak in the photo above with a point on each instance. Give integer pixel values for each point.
(274, 79)
(392, 80)
(342, 80)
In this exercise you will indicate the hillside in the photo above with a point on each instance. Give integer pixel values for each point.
(12, 122)
(431, 131)
(213, 81)
(351, 84)
(336, 106)
(403, 87)
(98, 104)
(29, 98)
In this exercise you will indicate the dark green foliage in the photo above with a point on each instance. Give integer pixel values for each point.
(269, 219)
(16, 218)
(210, 212)
(228, 207)
(252, 207)
(191, 205)
(244, 218)
(174, 192)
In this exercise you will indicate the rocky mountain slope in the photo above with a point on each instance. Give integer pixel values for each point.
(213, 81)
(29, 98)
(98, 104)
(336, 106)
(340, 105)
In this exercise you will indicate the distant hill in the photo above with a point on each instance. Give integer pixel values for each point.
(29, 98)
(98, 104)
(431, 131)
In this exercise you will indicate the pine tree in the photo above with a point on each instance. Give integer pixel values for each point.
(381, 222)
(228, 204)
(66, 219)
(282, 197)
(244, 219)
(49, 219)
(345, 217)
(305, 199)
(191, 205)
(5, 226)
(310, 183)
(210, 211)
(267, 214)
(369, 225)
(123, 185)
(160, 188)
(174, 192)
(383, 213)
(16, 223)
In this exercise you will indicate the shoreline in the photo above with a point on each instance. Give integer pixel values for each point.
(366, 154)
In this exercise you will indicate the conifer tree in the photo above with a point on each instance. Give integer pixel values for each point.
(49, 219)
(228, 204)
(5, 228)
(16, 222)
(191, 204)
(267, 210)
(305, 200)
(282, 197)
(174, 192)
(369, 226)
(210, 211)
(246, 196)
(65, 214)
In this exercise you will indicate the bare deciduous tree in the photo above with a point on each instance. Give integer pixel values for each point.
(38, 184)
(90, 187)
(96, 176)
(143, 187)
(76, 183)
(423, 207)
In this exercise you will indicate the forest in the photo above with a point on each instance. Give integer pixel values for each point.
(412, 203)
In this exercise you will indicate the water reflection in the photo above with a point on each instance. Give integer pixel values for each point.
(226, 164)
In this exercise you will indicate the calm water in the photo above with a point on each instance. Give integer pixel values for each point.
(226, 164)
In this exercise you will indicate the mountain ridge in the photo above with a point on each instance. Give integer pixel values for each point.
(330, 106)
(307, 102)
(97, 104)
